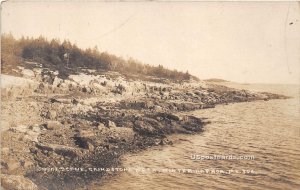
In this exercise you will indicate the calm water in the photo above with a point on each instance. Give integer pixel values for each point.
(269, 131)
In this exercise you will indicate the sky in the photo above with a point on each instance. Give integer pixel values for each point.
(247, 42)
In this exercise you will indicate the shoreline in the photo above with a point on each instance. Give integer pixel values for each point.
(90, 121)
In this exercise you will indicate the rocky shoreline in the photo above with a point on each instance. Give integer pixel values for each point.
(89, 120)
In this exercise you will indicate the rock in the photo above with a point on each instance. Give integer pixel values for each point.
(74, 101)
(206, 106)
(28, 73)
(168, 116)
(51, 114)
(85, 134)
(4, 150)
(110, 124)
(33, 150)
(4, 165)
(40, 88)
(86, 90)
(53, 125)
(31, 136)
(101, 126)
(119, 89)
(104, 83)
(48, 78)
(158, 108)
(22, 128)
(148, 126)
(59, 149)
(53, 100)
(90, 146)
(14, 182)
(83, 139)
(71, 87)
(13, 165)
(192, 123)
(164, 142)
(113, 140)
(198, 93)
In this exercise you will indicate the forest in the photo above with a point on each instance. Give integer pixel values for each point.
(66, 57)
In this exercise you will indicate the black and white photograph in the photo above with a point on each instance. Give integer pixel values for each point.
(150, 95)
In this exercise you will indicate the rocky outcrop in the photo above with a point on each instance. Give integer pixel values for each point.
(59, 149)
(148, 126)
(91, 120)
(14, 182)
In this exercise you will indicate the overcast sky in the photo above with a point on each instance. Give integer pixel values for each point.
(249, 42)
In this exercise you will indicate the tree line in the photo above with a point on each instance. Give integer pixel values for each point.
(66, 55)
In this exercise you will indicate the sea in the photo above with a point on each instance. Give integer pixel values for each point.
(251, 145)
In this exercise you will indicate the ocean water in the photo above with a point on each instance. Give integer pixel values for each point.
(267, 133)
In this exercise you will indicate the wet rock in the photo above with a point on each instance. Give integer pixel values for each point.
(192, 123)
(14, 182)
(168, 116)
(163, 142)
(148, 126)
(206, 106)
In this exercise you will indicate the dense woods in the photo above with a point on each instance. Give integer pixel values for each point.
(66, 56)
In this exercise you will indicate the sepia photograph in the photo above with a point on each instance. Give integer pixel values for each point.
(143, 95)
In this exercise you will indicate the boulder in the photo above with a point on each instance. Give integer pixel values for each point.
(53, 125)
(14, 182)
(83, 139)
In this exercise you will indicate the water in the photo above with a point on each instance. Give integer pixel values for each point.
(267, 130)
